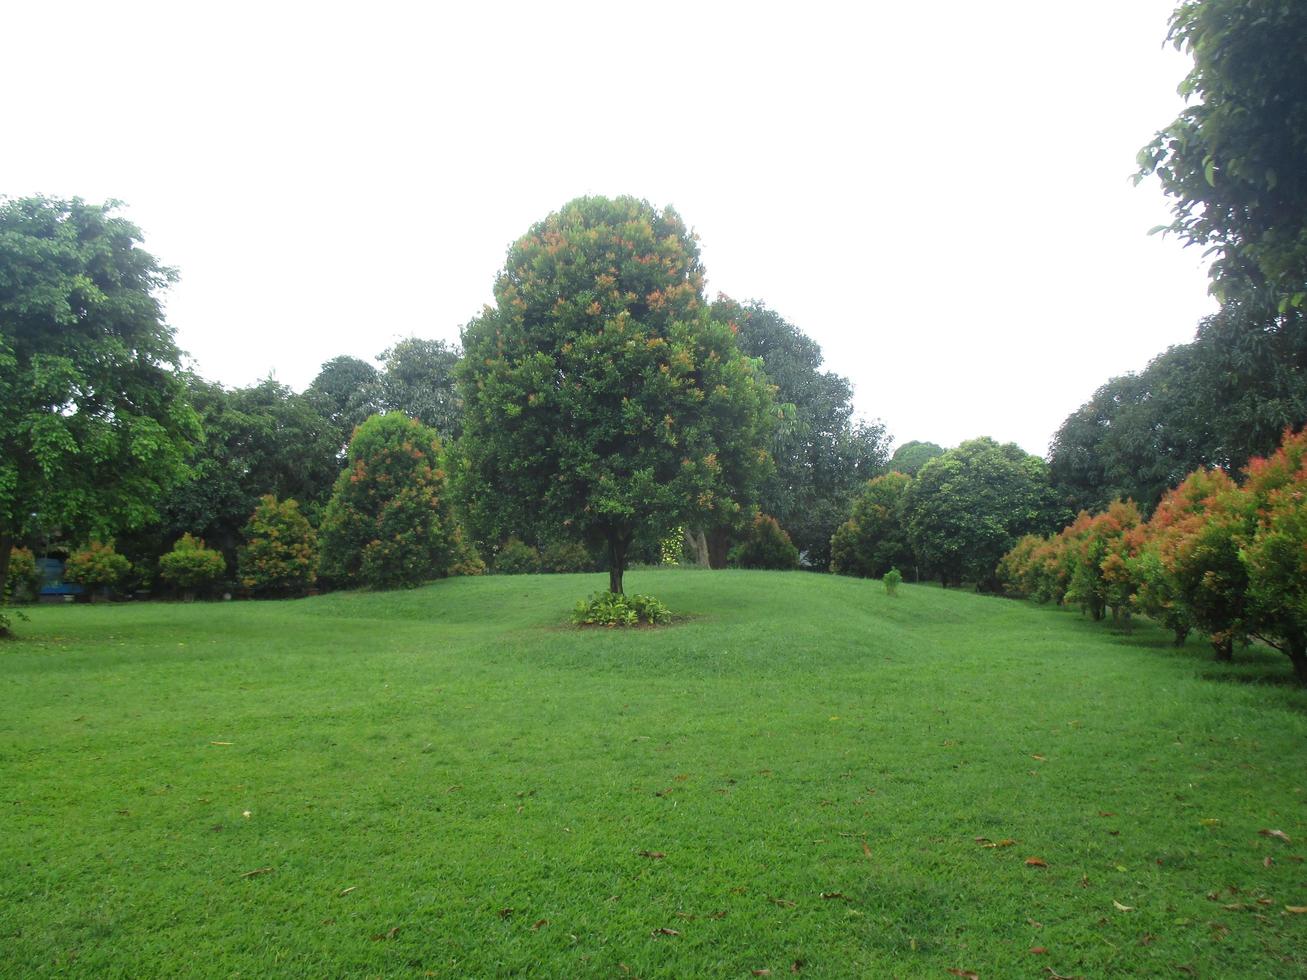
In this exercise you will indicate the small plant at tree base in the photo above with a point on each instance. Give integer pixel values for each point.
(97, 566)
(615, 609)
(892, 580)
(766, 546)
(23, 579)
(191, 567)
(516, 558)
(280, 554)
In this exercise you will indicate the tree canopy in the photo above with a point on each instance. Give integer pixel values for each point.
(601, 399)
(94, 420)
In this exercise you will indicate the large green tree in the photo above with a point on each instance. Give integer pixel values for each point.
(418, 380)
(345, 392)
(967, 508)
(823, 454)
(94, 420)
(1232, 161)
(601, 399)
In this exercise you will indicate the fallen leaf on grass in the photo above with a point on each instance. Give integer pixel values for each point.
(796, 966)
(719, 914)
(1054, 975)
(1036, 863)
(1266, 901)
(1296, 909)
(1277, 834)
(653, 854)
(1210, 822)
(539, 924)
(391, 934)
(220, 743)
(1267, 861)
(783, 902)
(1038, 950)
(866, 850)
(1039, 757)
(1106, 813)
(256, 872)
(839, 895)
(986, 842)
(348, 890)
(1235, 907)
(1122, 908)
(505, 913)
(764, 972)
(1147, 939)
(964, 974)
(664, 932)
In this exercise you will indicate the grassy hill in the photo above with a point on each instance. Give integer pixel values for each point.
(455, 782)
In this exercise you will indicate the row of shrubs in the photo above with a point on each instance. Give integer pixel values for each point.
(1225, 558)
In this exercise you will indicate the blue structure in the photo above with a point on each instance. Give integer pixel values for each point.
(53, 587)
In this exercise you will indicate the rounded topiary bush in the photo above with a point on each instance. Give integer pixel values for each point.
(190, 567)
(280, 554)
(765, 546)
(97, 566)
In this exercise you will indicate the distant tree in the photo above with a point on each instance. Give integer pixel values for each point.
(910, 457)
(967, 508)
(389, 524)
(94, 421)
(766, 545)
(96, 566)
(418, 380)
(280, 553)
(875, 538)
(192, 567)
(823, 454)
(345, 392)
(1232, 161)
(601, 399)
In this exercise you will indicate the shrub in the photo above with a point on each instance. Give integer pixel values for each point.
(192, 567)
(280, 556)
(765, 546)
(389, 524)
(23, 579)
(515, 557)
(892, 580)
(875, 537)
(96, 566)
(615, 609)
(465, 560)
(566, 556)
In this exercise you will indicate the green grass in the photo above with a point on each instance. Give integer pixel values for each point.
(453, 753)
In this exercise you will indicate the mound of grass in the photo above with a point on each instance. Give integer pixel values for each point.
(804, 773)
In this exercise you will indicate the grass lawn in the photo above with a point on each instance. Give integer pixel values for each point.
(454, 782)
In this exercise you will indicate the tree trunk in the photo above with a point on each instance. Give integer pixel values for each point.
(1223, 644)
(1181, 634)
(1298, 658)
(618, 543)
(6, 542)
(695, 549)
(719, 543)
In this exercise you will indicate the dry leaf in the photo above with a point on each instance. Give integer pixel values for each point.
(505, 913)
(796, 966)
(719, 914)
(1278, 834)
(1267, 861)
(1038, 950)
(1054, 975)
(839, 895)
(348, 890)
(246, 814)
(1039, 757)
(256, 872)
(1036, 863)
(784, 903)
(1266, 901)
(539, 924)
(386, 935)
(664, 932)
(220, 743)
(1210, 822)
(866, 850)
(682, 777)
(1234, 907)
(653, 854)
(764, 972)
(1296, 909)
(1106, 813)
(1122, 908)
(964, 974)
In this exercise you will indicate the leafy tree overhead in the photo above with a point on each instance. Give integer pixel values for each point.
(94, 420)
(823, 454)
(1232, 161)
(601, 398)
(967, 508)
(910, 457)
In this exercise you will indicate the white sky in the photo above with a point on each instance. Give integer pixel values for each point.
(936, 192)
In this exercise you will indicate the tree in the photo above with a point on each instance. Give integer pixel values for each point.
(345, 393)
(601, 399)
(94, 421)
(967, 508)
(1232, 161)
(875, 538)
(765, 546)
(418, 380)
(280, 555)
(910, 457)
(191, 566)
(823, 454)
(388, 524)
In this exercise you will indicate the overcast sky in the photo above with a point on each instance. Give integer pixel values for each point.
(937, 193)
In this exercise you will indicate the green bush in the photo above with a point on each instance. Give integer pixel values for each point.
(892, 580)
(465, 560)
(515, 557)
(765, 546)
(96, 566)
(280, 554)
(614, 609)
(23, 580)
(191, 567)
(566, 556)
